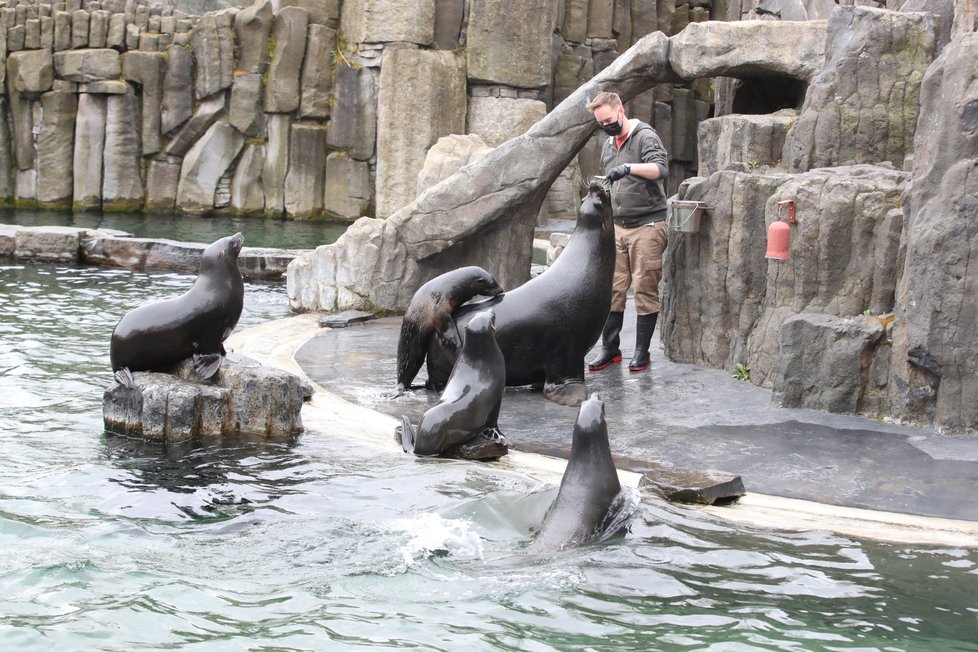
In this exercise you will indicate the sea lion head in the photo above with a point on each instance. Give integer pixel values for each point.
(596, 205)
(222, 252)
(590, 419)
(477, 282)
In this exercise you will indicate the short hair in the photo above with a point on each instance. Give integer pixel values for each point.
(604, 98)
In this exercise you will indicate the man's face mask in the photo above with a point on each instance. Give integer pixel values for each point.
(614, 128)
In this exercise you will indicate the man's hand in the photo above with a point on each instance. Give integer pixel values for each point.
(616, 173)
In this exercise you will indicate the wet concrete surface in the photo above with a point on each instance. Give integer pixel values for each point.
(692, 417)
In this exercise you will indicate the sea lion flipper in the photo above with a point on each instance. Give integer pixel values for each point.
(124, 377)
(412, 346)
(407, 435)
(207, 364)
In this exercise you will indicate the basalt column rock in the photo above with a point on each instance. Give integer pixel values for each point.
(252, 27)
(304, 181)
(497, 119)
(244, 112)
(55, 149)
(7, 166)
(246, 190)
(317, 72)
(204, 165)
(162, 179)
(213, 51)
(526, 29)
(842, 221)
(177, 88)
(353, 118)
(282, 93)
(751, 140)
(422, 97)
(276, 163)
(934, 368)
(863, 106)
(122, 183)
(348, 192)
(388, 21)
(147, 69)
(89, 145)
(713, 282)
(28, 75)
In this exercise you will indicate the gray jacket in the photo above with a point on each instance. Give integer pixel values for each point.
(635, 200)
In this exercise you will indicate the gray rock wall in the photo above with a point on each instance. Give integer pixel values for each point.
(276, 72)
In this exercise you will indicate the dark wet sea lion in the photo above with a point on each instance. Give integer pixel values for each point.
(547, 325)
(589, 486)
(430, 312)
(156, 336)
(469, 406)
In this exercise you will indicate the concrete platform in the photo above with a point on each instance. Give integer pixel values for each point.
(696, 418)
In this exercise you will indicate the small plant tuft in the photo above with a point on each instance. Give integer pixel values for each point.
(741, 372)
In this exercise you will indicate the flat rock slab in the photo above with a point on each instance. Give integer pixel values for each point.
(697, 487)
(346, 318)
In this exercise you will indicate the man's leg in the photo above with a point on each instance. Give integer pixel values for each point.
(646, 249)
(610, 352)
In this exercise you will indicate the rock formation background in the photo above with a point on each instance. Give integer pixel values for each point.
(460, 125)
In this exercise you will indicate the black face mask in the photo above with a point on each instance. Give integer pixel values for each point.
(612, 129)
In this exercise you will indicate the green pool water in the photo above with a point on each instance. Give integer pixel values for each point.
(320, 543)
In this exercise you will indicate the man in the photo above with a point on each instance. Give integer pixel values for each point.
(635, 161)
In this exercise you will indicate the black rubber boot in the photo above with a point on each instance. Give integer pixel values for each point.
(610, 353)
(644, 327)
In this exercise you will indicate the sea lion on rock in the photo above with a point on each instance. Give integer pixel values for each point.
(469, 406)
(158, 335)
(430, 313)
(547, 325)
(589, 487)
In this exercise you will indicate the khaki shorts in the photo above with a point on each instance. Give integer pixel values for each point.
(638, 263)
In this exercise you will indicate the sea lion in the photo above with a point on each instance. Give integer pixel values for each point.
(156, 336)
(430, 312)
(589, 486)
(469, 406)
(546, 326)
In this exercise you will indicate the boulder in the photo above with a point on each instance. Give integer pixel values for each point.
(388, 21)
(574, 25)
(321, 12)
(115, 34)
(751, 48)
(56, 244)
(204, 165)
(31, 72)
(282, 94)
(79, 28)
(62, 31)
(243, 398)
(98, 28)
(825, 361)
(863, 106)
(422, 98)
(448, 155)
(449, 17)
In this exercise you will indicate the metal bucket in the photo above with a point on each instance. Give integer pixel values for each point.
(685, 216)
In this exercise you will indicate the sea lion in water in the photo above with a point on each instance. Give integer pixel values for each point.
(546, 326)
(469, 406)
(430, 312)
(589, 486)
(156, 336)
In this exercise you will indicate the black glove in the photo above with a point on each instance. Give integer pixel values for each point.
(616, 173)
